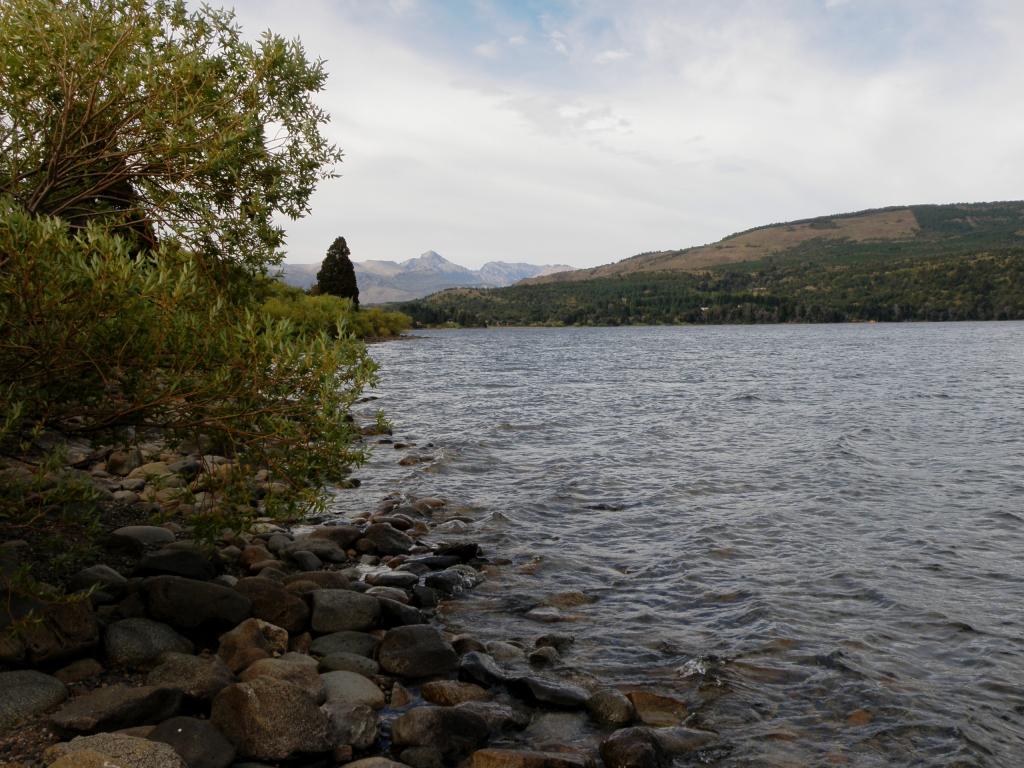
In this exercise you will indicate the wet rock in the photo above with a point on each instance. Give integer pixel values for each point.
(633, 748)
(436, 562)
(395, 614)
(682, 741)
(425, 597)
(389, 593)
(545, 614)
(447, 582)
(559, 642)
(480, 668)
(294, 668)
(416, 651)
(199, 677)
(196, 741)
(657, 710)
(338, 610)
(325, 549)
(350, 689)
(323, 579)
(515, 758)
(77, 671)
(448, 693)
(349, 662)
(117, 706)
(343, 536)
(106, 750)
(139, 643)
(385, 540)
(251, 641)
(499, 717)
(357, 726)
(463, 550)
(610, 708)
(539, 691)
(543, 657)
(398, 579)
(358, 643)
(453, 732)
(463, 644)
(272, 602)
(505, 652)
(269, 719)
(189, 604)
(27, 693)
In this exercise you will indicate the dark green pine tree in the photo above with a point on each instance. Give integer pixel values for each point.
(337, 276)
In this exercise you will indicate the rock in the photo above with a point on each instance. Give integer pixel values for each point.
(199, 677)
(657, 710)
(505, 652)
(126, 497)
(453, 732)
(113, 750)
(682, 741)
(270, 719)
(544, 656)
(197, 742)
(102, 577)
(448, 693)
(399, 579)
(633, 748)
(337, 610)
(463, 644)
(480, 668)
(559, 642)
(350, 689)
(272, 602)
(356, 726)
(349, 662)
(376, 762)
(515, 758)
(139, 643)
(389, 593)
(188, 467)
(152, 470)
(140, 537)
(292, 668)
(324, 549)
(425, 597)
(251, 641)
(463, 550)
(77, 671)
(342, 535)
(422, 757)
(323, 579)
(416, 651)
(536, 690)
(400, 696)
(358, 643)
(306, 561)
(447, 582)
(27, 693)
(386, 540)
(60, 631)
(186, 563)
(610, 708)
(191, 604)
(396, 614)
(499, 717)
(253, 554)
(123, 462)
(117, 706)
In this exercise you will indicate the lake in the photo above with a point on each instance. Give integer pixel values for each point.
(813, 534)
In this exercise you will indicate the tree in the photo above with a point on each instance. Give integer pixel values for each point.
(161, 121)
(337, 276)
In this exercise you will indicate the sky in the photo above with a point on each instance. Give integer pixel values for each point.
(582, 133)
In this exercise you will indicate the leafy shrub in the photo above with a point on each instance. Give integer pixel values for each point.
(330, 314)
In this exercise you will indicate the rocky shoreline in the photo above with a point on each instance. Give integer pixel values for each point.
(315, 645)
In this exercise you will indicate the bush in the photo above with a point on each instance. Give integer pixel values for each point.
(330, 314)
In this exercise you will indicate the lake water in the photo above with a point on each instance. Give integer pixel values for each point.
(813, 534)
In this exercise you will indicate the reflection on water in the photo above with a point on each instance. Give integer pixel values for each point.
(811, 533)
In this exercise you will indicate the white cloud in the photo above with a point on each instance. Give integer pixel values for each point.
(488, 50)
(607, 57)
(517, 40)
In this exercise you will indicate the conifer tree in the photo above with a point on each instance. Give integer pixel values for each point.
(337, 276)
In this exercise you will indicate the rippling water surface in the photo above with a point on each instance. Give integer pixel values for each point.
(813, 534)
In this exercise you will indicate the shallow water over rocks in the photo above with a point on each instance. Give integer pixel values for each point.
(812, 535)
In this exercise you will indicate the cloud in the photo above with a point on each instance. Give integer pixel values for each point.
(517, 40)
(607, 57)
(488, 50)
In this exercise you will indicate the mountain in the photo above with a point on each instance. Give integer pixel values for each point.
(922, 262)
(389, 281)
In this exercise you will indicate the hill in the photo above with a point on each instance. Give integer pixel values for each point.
(390, 281)
(927, 262)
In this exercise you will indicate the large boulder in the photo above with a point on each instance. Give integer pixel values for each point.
(190, 604)
(295, 668)
(268, 719)
(198, 742)
(451, 731)
(416, 651)
(139, 643)
(610, 708)
(350, 689)
(633, 748)
(251, 641)
(359, 643)
(350, 662)
(106, 750)
(199, 677)
(357, 726)
(272, 602)
(59, 630)
(115, 707)
(27, 693)
(337, 610)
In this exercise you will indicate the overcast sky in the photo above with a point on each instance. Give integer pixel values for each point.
(585, 132)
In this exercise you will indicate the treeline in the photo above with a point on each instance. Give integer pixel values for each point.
(846, 284)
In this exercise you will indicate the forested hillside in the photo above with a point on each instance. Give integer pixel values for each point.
(961, 262)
